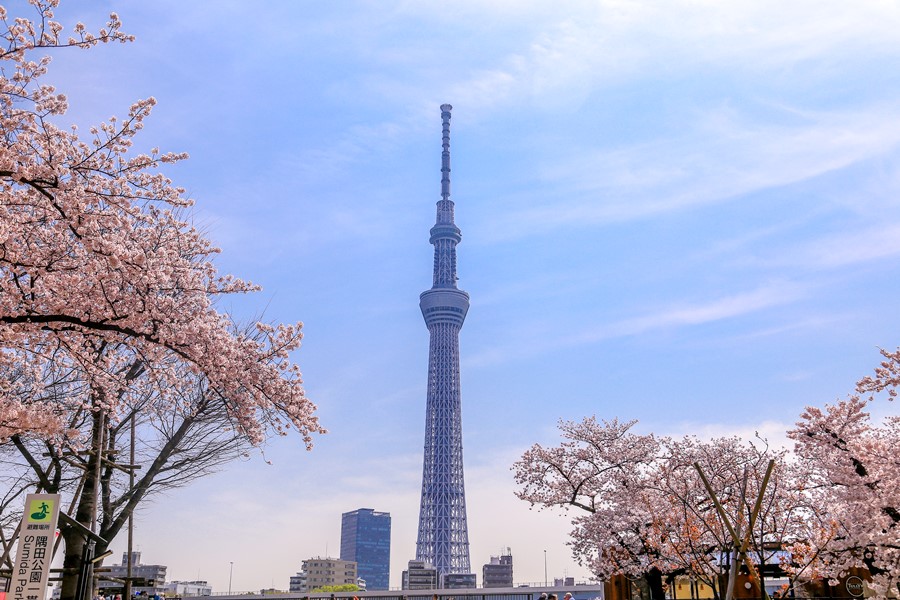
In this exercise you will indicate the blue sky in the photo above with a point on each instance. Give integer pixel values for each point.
(684, 212)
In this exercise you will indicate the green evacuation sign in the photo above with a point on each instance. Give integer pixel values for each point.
(31, 568)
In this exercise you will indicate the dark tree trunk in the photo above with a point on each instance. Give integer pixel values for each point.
(85, 513)
(654, 580)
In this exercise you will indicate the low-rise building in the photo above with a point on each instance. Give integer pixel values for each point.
(328, 571)
(420, 575)
(298, 582)
(458, 581)
(499, 572)
(147, 580)
(188, 588)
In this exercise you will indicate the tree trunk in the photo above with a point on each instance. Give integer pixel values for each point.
(75, 544)
(86, 513)
(655, 583)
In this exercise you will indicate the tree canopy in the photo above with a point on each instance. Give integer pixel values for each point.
(100, 268)
(831, 505)
(108, 311)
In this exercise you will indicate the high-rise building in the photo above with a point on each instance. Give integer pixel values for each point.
(443, 538)
(498, 572)
(366, 540)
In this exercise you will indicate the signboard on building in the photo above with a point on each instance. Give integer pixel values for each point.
(855, 586)
(31, 568)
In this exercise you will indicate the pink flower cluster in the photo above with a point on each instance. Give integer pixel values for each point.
(855, 466)
(100, 269)
(830, 506)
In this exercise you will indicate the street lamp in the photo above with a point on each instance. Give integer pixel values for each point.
(230, 571)
(545, 568)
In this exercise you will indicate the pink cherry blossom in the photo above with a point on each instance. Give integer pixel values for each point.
(644, 511)
(108, 293)
(855, 465)
(99, 262)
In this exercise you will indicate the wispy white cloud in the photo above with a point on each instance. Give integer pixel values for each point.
(676, 316)
(555, 59)
(579, 46)
(875, 243)
(724, 158)
(808, 323)
(691, 315)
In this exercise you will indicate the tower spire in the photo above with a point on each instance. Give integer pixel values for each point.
(445, 155)
(445, 235)
(443, 538)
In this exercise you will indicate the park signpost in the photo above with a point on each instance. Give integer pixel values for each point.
(31, 569)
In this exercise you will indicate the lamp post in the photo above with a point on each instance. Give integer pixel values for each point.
(545, 568)
(230, 571)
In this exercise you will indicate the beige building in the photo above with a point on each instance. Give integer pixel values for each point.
(328, 571)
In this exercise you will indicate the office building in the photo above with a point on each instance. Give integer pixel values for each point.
(328, 571)
(366, 540)
(420, 575)
(188, 588)
(147, 580)
(499, 572)
(458, 581)
(297, 583)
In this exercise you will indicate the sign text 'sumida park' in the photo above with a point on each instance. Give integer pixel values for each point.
(31, 569)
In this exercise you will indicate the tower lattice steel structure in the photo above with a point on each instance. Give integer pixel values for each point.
(443, 537)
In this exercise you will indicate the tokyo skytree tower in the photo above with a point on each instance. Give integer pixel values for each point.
(443, 537)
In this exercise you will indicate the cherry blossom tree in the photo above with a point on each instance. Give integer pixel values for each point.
(761, 509)
(145, 452)
(646, 512)
(107, 293)
(855, 463)
(600, 468)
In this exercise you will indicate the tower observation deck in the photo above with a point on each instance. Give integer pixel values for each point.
(443, 538)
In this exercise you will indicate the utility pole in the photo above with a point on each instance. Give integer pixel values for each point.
(545, 568)
(129, 572)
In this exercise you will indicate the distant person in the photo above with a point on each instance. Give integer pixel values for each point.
(543, 596)
(568, 596)
(551, 597)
